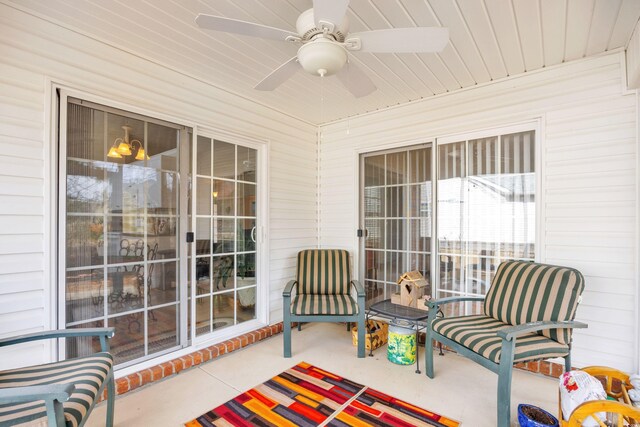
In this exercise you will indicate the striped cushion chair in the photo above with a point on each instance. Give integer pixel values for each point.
(527, 315)
(321, 293)
(60, 394)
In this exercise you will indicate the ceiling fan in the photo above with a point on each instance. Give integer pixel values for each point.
(323, 33)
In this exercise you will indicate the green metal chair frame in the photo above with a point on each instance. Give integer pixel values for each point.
(509, 335)
(290, 317)
(55, 394)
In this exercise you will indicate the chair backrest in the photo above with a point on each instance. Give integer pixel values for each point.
(524, 292)
(323, 272)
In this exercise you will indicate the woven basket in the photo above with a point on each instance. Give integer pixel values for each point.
(377, 337)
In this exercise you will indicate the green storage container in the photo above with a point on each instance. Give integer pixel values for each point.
(401, 345)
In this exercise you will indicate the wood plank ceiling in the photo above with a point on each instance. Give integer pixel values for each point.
(489, 40)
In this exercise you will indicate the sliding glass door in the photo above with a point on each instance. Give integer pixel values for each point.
(226, 233)
(396, 202)
(484, 212)
(486, 209)
(121, 222)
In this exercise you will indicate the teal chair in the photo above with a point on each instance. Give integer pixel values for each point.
(527, 315)
(60, 394)
(321, 293)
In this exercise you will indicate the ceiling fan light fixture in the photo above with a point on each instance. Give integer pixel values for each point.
(322, 57)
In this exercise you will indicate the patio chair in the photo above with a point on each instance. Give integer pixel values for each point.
(61, 393)
(527, 315)
(321, 288)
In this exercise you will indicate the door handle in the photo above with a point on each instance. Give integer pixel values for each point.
(253, 234)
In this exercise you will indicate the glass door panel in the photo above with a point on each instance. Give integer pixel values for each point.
(226, 217)
(121, 217)
(486, 210)
(396, 214)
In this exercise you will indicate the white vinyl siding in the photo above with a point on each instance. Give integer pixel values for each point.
(588, 180)
(36, 52)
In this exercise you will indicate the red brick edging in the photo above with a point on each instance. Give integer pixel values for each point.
(175, 366)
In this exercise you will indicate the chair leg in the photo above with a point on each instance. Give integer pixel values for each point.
(428, 353)
(287, 332)
(567, 362)
(504, 383)
(299, 326)
(111, 400)
(361, 335)
(348, 326)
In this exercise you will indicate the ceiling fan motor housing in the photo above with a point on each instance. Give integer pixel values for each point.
(306, 27)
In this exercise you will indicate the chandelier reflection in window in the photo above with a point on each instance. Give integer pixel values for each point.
(124, 147)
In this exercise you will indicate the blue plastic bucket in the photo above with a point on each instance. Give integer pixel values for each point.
(525, 421)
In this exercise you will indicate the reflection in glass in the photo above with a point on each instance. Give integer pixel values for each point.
(204, 195)
(374, 170)
(122, 195)
(374, 269)
(396, 234)
(163, 332)
(486, 209)
(224, 238)
(246, 271)
(396, 201)
(222, 271)
(420, 165)
(247, 161)
(223, 310)
(123, 290)
(203, 278)
(374, 205)
(247, 235)
(86, 187)
(375, 233)
(396, 265)
(84, 240)
(84, 294)
(203, 236)
(128, 342)
(396, 168)
(83, 346)
(224, 160)
(85, 133)
(162, 147)
(246, 304)
(246, 199)
(224, 198)
(203, 315)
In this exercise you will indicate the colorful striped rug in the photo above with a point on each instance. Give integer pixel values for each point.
(308, 396)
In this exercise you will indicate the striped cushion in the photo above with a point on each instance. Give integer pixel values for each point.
(523, 292)
(324, 304)
(323, 272)
(478, 334)
(86, 373)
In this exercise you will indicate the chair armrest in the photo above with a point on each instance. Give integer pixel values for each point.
(288, 288)
(518, 330)
(103, 333)
(434, 303)
(59, 392)
(359, 288)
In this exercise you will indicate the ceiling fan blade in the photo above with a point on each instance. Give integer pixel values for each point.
(329, 11)
(355, 80)
(228, 25)
(279, 75)
(400, 40)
